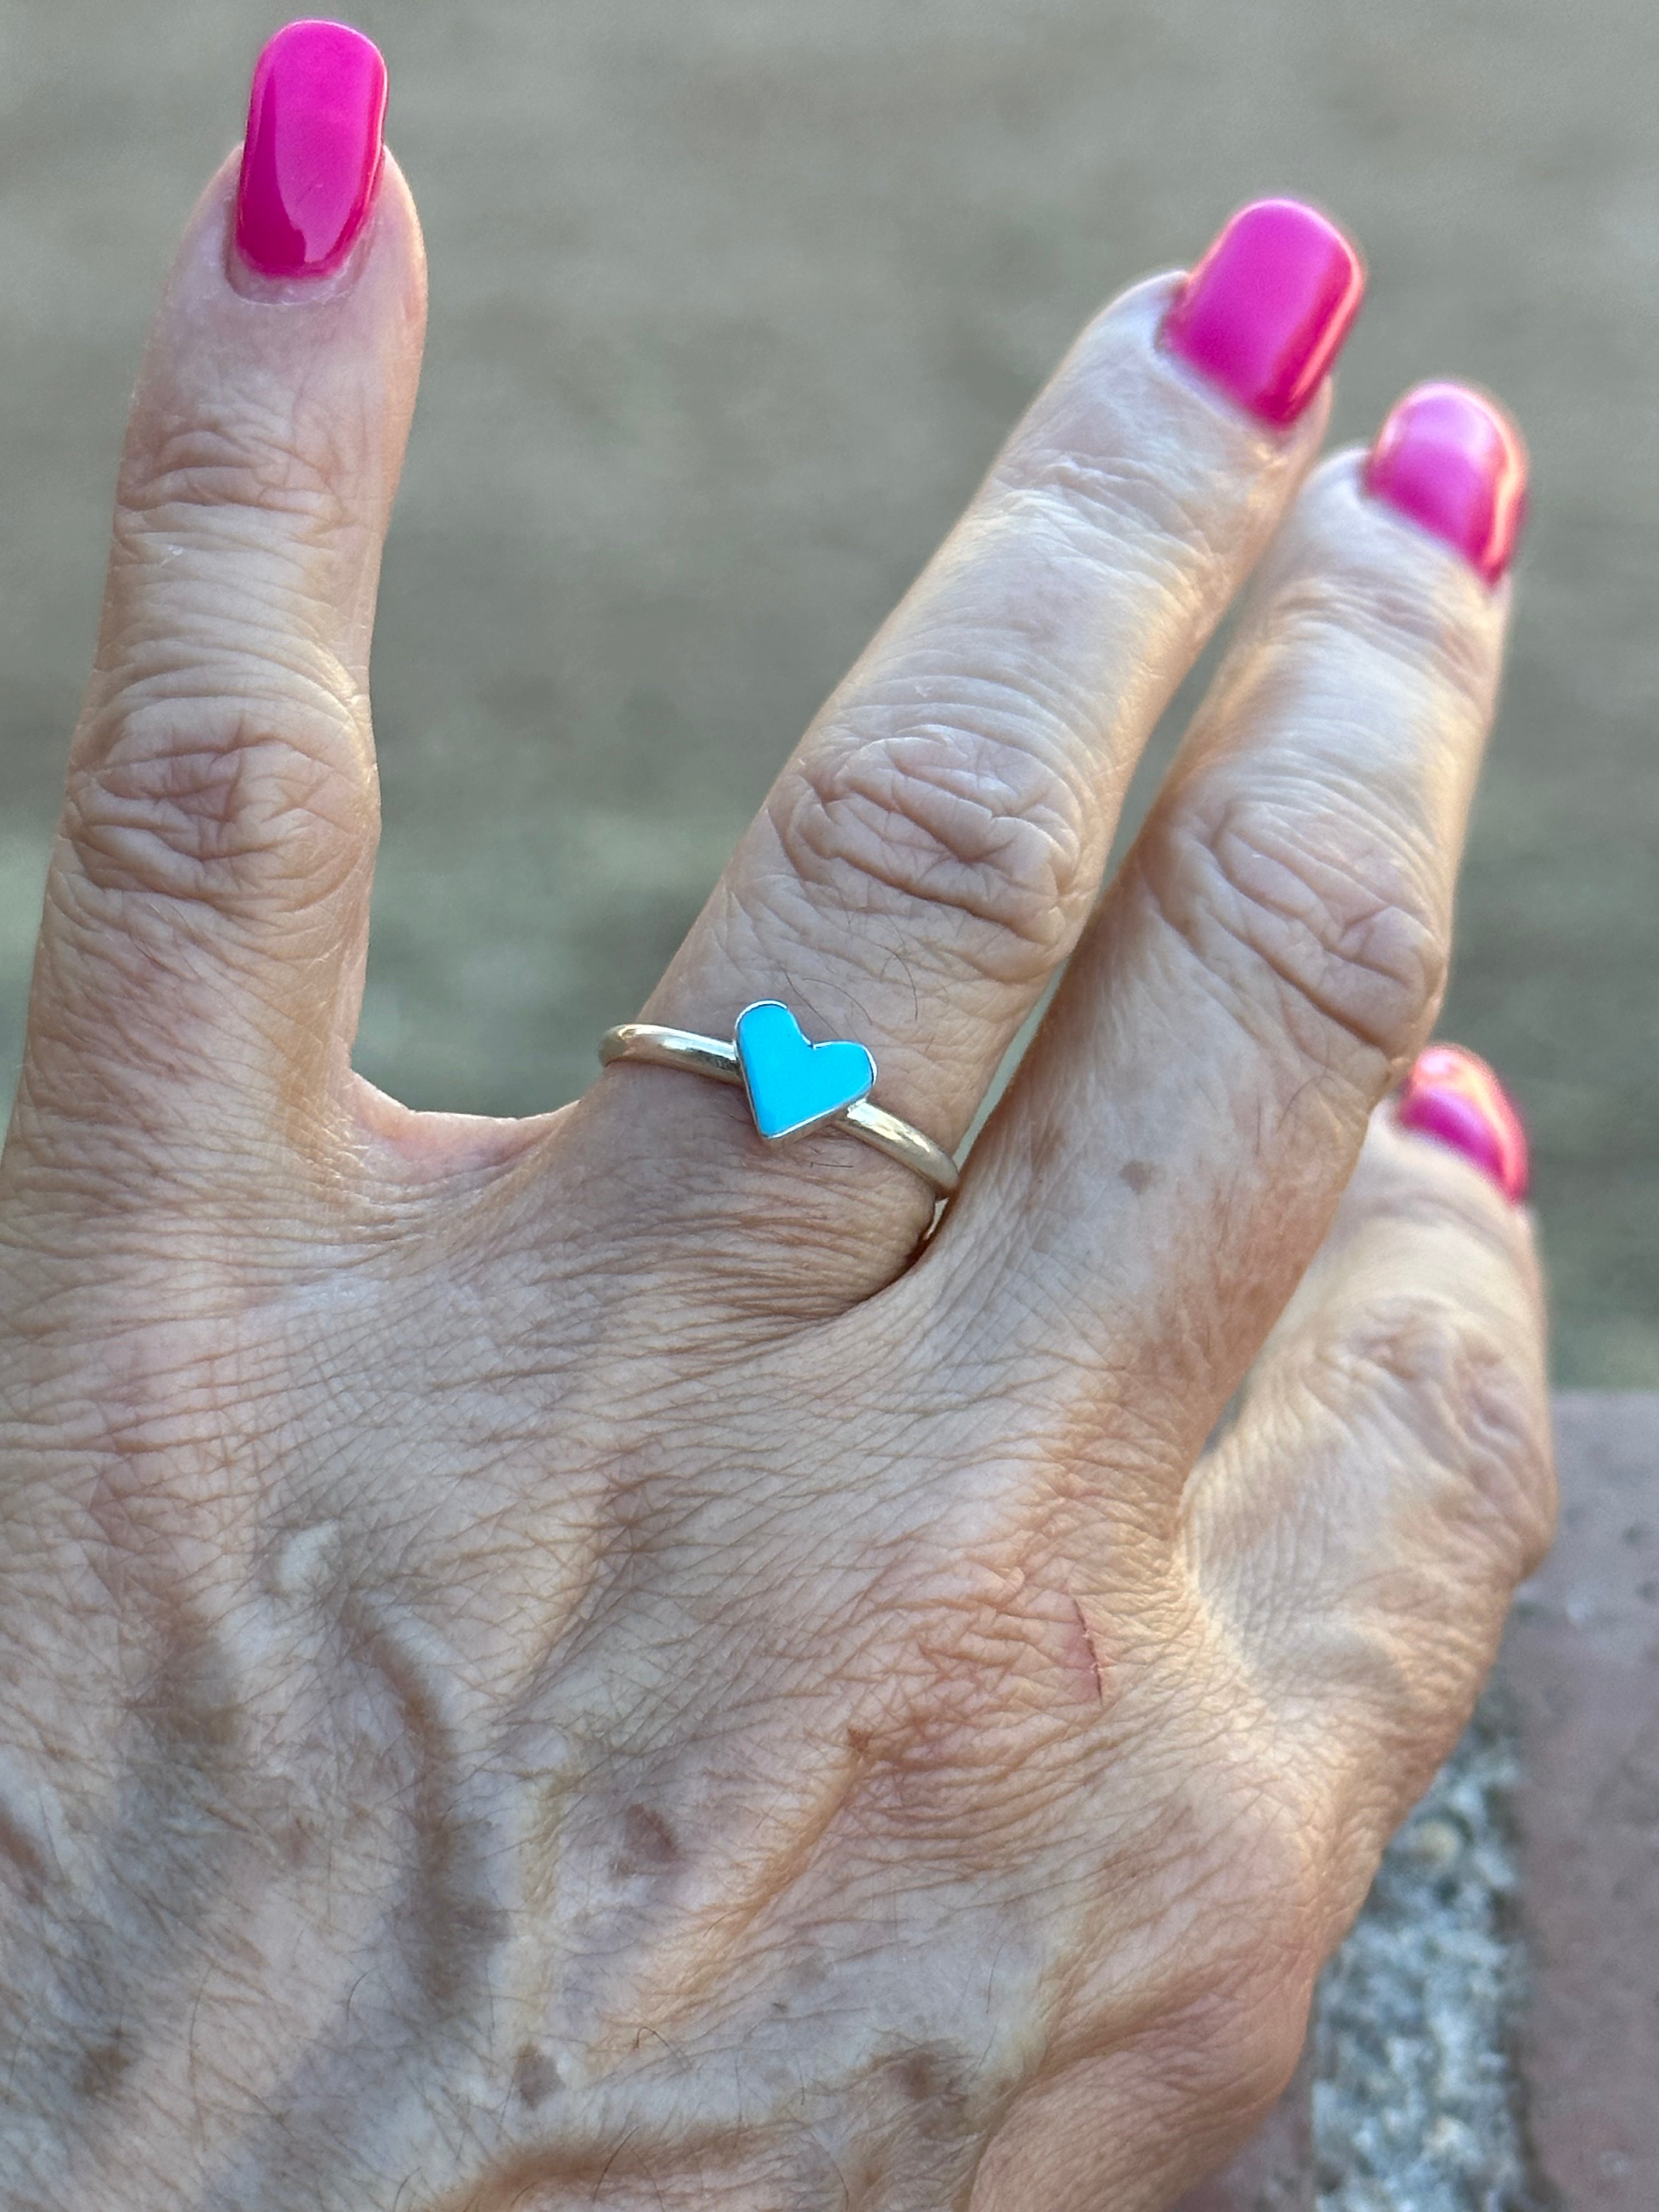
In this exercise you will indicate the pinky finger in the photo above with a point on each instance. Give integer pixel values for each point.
(1388, 1481)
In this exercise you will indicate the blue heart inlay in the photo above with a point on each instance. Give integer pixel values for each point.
(792, 1085)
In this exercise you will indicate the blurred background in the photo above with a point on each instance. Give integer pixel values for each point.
(732, 302)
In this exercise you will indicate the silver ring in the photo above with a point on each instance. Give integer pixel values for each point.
(792, 1086)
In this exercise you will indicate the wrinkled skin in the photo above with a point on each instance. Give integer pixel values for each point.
(582, 1661)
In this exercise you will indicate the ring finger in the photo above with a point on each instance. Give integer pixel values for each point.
(930, 851)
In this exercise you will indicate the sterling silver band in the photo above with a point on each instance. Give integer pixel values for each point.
(701, 1056)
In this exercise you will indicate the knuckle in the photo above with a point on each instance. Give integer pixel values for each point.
(219, 802)
(1451, 1384)
(959, 815)
(223, 760)
(239, 456)
(1274, 1850)
(1264, 1904)
(1339, 933)
(1237, 2048)
(1104, 503)
(1370, 622)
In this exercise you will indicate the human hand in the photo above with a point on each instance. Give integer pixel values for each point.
(588, 1661)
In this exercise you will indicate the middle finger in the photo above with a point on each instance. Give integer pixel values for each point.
(1274, 949)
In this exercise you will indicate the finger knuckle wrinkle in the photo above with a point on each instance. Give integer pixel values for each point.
(956, 817)
(1341, 926)
(211, 802)
(248, 460)
(1108, 501)
(1418, 638)
(1465, 1401)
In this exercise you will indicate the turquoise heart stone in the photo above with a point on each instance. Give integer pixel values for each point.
(792, 1085)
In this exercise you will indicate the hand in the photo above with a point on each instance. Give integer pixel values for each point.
(586, 1661)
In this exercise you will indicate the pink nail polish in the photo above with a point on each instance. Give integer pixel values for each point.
(1454, 1097)
(1455, 464)
(1265, 312)
(311, 160)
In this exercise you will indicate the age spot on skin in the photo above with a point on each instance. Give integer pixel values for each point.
(28, 1861)
(931, 2083)
(918, 2075)
(647, 1841)
(1138, 1175)
(102, 2066)
(535, 2077)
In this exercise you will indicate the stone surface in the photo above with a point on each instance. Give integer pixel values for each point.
(731, 301)
(1583, 1663)
(1417, 2106)
(1488, 2038)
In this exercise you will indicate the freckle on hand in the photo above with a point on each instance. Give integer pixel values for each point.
(535, 2077)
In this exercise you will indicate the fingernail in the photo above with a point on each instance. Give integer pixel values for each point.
(311, 160)
(1454, 1097)
(1454, 463)
(1265, 312)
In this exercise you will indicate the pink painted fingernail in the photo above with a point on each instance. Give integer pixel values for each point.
(1265, 312)
(311, 160)
(1453, 1095)
(1454, 463)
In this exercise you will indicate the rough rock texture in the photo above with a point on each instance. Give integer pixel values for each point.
(1488, 2038)
(1417, 2105)
(1583, 1663)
